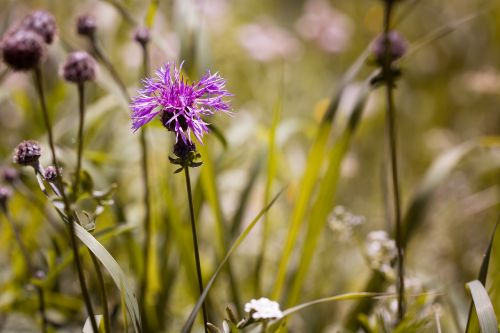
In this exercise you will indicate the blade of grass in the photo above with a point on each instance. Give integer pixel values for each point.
(307, 184)
(114, 270)
(484, 308)
(483, 274)
(189, 323)
(271, 174)
(324, 201)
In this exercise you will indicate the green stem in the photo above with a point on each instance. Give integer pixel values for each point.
(69, 214)
(102, 290)
(81, 109)
(109, 66)
(195, 245)
(41, 308)
(391, 123)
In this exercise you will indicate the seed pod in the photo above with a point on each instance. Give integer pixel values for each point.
(27, 153)
(142, 36)
(86, 25)
(398, 46)
(42, 23)
(22, 50)
(50, 173)
(79, 67)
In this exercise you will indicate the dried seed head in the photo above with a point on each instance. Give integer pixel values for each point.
(5, 194)
(86, 25)
(142, 35)
(183, 149)
(398, 46)
(50, 173)
(27, 153)
(10, 175)
(79, 67)
(42, 23)
(22, 49)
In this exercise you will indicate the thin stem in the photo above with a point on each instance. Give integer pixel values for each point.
(195, 244)
(264, 327)
(69, 214)
(147, 198)
(41, 308)
(29, 266)
(102, 291)
(81, 109)
(109, 66)
(391, 123)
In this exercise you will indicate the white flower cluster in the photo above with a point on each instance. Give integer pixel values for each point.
(263, 308)
(343, 222)
(381, 250)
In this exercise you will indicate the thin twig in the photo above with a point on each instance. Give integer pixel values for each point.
(81, 113)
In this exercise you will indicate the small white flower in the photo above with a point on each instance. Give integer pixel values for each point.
(263, 308)
(381, 250)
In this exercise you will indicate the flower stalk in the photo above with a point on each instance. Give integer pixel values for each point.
(388, 74)
(195, 245)
(69, 213)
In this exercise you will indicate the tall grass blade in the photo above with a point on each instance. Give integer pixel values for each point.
(483, 274)
(189, 323)
(324, 201)
(484, 309)
(115, 271)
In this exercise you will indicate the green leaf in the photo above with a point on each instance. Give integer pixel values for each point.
(189, 323)
(114, 270)
(483, 274)
(484, 308)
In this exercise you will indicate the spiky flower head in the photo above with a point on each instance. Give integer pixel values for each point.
(263, 308)
(179, 105)
(86, 25)
(22, 49)
(142, 35)
(50, 173)
(27, 153)
(79, 67)
(42, 23)
(398, 46)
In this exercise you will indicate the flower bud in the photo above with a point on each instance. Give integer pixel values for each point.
(50, 173)
(398, 46)
(79, 67)
(10, 175)
(27, 153)
(22, 50)
(142, 36)
(5, 194)
(42, 23)
(183, 149)
(86, 25)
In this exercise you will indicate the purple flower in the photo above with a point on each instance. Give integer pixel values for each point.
(180, 105)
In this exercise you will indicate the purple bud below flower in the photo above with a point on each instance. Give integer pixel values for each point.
(79, 67)
(10, 175)
(398, 46)
(50, 173)
(183, 149)
(5, 194)
(86, 25)
(22, 49)
(142, 35)
(42, 23)
(27, 153)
